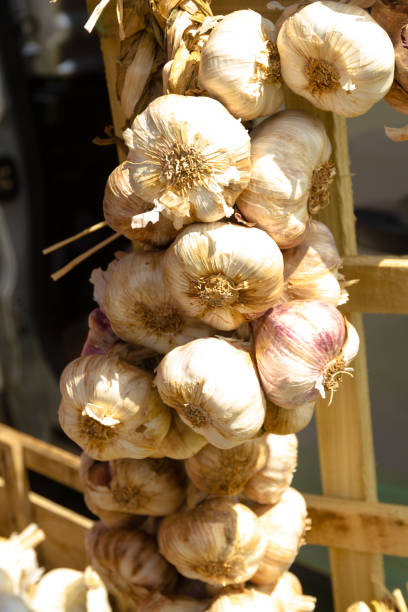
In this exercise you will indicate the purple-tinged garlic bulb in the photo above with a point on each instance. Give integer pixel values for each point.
(282, 422)
(219, 542)
(213, 385)
(302, 349)
(224, 274)
(110, 408)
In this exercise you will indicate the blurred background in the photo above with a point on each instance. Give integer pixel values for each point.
(53, 102)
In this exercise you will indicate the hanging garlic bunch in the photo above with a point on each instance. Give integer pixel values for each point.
(219, 542)
(224, 274)
(284, 525)
(188, 167)
(152, 487)
(290, 175)
(336, 56)
(213, 385)
(129, 563)
(302, 349)
(140, 308)
(282, 422)
(121, 205)
(311, 269)
(181, 442)
(110, 408)
(240, 65)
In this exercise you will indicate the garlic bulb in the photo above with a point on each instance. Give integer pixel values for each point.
(336, 56)
(242, 598)
(61, 590)
(283, 422)
(190, 168)
(269, 483)
(121, 204)
(181, 442)
(311, 269)
(128, 563)
(224, 274)
(287, 595)
(284, 526)
(226, 472)
(18, 560)
(302, 349)
(13, 603)
(240, 65)
(140, 308)
(219, 542)
(97, 599)
(159, 603)
(152, 487)
(213, 385)
(359, 606)
(290, 175)
(110, 409)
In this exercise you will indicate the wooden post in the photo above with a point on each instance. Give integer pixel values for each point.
(15, 477)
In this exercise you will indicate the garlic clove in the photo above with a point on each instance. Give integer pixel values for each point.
(287, 594)
(97, 599)
(290, 175)
(240, 65)
(100, 336)
(358, 65)
(219, 542)
(181, 442)
(110, 408)
(224, 274)
(189, 168)
(140, 308)
(213, 385)
(282, 422)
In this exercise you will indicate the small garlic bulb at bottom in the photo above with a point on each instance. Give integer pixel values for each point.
(219, 542)
(110, 408)
(224, 274)
(284, 525)
(290, 175)
(282, 422)
(336, 56)
(213, 385)
(142, 311)
(302, 349)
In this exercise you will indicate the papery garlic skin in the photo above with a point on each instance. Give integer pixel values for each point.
(213, 385)
(284, 525)
(159, 603)
(226, 472)
(245, 598)
(311, 269)
(151, 487)
(269, 483)
(142, 311)
(110, 408)
(290, 175)
(128, 562)
(287, 595)
(336, 56)
(283, 422)
(219, 542)
(224, 274)
(181, 442)
(240, 65)
(60, 590)
(302, 349)
(190, 168)
(121, 204)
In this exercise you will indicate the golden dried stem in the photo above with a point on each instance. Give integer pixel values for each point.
(96, 13)
(72, 264)
(85, 232)
(400, 601)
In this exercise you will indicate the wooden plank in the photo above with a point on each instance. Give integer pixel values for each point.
(346, 452)
(15, 477)
(358, 525)
(383, 286)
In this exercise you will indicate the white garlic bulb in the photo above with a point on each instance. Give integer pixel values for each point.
(142, 311)
(240, 65)
(269, 483)
(290, 175)
(181, 442)
(302, 349)
(110, 408)
(226, 472)
(128, 563)
(311, 269)
(224, 274)
(219, 542)
(121, 204)
(61, 590)
(189, 167)
(284, 526)
(283, 422)
(213, 385)
(153, 487)
(336, 56)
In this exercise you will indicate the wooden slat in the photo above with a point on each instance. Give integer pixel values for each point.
(358, 525)
(383, 285)
(15, 477)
